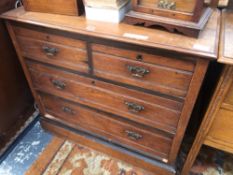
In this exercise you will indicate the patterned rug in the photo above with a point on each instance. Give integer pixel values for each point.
(63, 157)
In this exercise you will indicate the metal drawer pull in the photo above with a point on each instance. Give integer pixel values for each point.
(138, 72)
(133, 135)
(167, 4)
(133, 107)
(68, 110)
(59, 84)
(50, 51)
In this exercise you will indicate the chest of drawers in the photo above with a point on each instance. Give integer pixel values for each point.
(118, 85)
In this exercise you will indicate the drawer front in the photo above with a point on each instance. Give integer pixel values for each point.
(151, 110)
(168, 76)
(222, 127)
(53, 49)
(174, 5)
(114, 130)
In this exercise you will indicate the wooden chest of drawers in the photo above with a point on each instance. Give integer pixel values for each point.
(134, 95)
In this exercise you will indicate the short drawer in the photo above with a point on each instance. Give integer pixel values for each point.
(106, 126)
(151, 110)
(53, 49)
(162, 74)
(177, 6)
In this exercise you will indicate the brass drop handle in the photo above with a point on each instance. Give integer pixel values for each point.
(167, 4)
(59, 84)
(133, 135)
(133, 107)
(68, 110)
(138, 72)
(50, 51)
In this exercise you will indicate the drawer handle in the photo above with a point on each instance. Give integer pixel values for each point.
(59, 85)
(68, 110)
(138, 72)
(133, 135)
(50, 51)
(167, 4)
(133, 107)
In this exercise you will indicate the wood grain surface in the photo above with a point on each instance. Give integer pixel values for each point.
(71, 7)
(206, 45)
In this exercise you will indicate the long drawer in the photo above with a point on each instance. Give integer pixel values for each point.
(117, 131)
(53, 49)
(153, 72)
(150, 110)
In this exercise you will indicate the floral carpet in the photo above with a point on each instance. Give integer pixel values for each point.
(62, 157)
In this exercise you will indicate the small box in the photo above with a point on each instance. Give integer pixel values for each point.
(183, 16)
(105, 14)
(63, 7)
(106, 3)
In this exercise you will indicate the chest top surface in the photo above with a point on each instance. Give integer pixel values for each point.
(206, 46)
(226, 44)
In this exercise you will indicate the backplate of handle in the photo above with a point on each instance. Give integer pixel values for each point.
(133, 135)
(59, 84)
(138, 72)
(133, 107)
(68, 110)
(167, 4)
(50, 51)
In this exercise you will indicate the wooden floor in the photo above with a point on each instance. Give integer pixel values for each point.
(62, 157)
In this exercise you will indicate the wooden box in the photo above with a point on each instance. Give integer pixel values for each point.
(63, 7)
(186, 16)
(188, 10)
